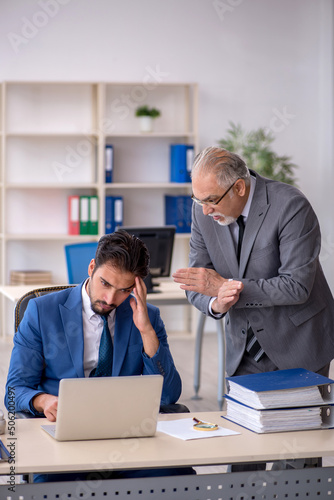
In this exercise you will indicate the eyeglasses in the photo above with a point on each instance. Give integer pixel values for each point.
(200, 202)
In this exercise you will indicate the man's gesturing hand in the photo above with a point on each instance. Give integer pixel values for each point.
(199, 279)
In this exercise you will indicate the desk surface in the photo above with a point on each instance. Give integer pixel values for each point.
(36, 451)
(169, 292)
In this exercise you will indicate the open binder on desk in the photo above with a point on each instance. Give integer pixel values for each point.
(283, 400)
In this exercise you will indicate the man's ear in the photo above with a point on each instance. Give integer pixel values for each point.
(91, 267)
(240, 187)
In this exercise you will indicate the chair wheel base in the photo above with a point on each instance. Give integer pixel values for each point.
(196, 397)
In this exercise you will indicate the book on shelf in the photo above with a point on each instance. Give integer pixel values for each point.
(84, 214)
(93, 223)
(282, 400)
(178, 212)
(74, 214)
(31, 277)
(109, 163)
(113, 213)
(181, 161)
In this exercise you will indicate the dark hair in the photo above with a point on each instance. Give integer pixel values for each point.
(123, 251)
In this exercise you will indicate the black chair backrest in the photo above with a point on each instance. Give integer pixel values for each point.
(22, 303)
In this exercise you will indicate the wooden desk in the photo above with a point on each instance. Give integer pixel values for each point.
(35, 451)
(168, 293)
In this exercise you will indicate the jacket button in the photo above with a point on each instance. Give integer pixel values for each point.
(243, 332)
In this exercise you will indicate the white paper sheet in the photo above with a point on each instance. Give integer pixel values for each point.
(183, 429)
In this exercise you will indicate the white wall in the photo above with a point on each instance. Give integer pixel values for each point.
(257, 62)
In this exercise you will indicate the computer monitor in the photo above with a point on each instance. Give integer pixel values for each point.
(159, 242)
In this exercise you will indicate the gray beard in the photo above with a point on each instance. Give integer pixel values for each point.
(227, 220)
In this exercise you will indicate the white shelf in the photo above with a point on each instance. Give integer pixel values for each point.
(148, 185)
(60, 186)
(42, 134)
(52, 145)
(151, 135)
(49, 237)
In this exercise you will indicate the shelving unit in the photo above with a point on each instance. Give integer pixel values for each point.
(53, 138)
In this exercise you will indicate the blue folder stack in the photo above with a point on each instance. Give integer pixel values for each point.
(282, 400)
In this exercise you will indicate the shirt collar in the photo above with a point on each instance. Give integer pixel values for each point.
(86, 304)
(246, 209)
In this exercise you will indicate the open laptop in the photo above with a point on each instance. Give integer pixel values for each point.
(107, 407)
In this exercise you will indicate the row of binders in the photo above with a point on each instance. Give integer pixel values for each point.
(282, 400)
(181, 158)
(83, 213)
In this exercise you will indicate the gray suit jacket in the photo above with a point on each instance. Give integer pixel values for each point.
(286, 298)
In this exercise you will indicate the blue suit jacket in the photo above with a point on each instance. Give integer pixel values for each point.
(48, 346)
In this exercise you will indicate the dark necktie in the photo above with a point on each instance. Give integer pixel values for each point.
(104, 365)
(241, 224)
(253, 346)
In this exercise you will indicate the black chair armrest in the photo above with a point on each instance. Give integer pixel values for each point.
(174, 408)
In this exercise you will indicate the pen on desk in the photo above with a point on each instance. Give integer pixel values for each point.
(4, 453)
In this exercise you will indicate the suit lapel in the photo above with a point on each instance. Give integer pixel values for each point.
(258, 210)
(225, 239)
(71, 315)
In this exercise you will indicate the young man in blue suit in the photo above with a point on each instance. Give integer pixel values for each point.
(59, 335)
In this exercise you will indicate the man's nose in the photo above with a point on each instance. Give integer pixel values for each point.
(110, 296)
(207, 209)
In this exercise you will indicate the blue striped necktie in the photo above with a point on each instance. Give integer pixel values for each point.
(104, 365)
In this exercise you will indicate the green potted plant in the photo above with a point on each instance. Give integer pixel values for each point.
(146, 116)
(255, 148)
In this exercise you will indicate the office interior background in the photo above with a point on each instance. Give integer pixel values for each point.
(260, 63)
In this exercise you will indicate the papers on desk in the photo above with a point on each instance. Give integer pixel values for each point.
(183, 429)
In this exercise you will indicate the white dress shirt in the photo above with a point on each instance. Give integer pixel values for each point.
(92, 331)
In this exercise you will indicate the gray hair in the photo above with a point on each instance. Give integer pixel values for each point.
(227, 166)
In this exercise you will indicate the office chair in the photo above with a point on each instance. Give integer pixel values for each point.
(20, 309)
(78, 257)
(22, 303)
